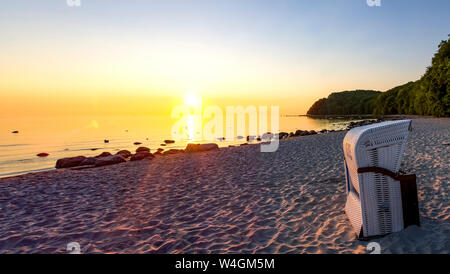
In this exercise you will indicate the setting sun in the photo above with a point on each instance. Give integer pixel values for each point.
(192, 100)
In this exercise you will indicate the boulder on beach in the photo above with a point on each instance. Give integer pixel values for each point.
(362, 123)
(142, 149)
(103, 154)
(200, 147)
(283, 135)
(300, 132)
(141, 155)
(137, 143)
(69, 162)
(109, 160)
(43, 154)
(124, 153)
(89, 161)
(312, 132)
(173, 151)
(159, 150)
(267, 136)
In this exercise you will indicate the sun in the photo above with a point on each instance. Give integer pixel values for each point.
(192, 100)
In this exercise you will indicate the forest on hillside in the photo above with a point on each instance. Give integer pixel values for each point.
(430, 95)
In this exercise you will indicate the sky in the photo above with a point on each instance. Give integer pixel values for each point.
(142, 57)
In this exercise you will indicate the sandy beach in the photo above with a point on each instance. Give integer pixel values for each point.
(230, 200)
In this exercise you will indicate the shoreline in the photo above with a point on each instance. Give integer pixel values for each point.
(228, 200)
(283, 135)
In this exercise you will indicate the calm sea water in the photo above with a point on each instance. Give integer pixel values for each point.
(73, 136)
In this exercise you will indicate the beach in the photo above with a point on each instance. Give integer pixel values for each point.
(229, 200)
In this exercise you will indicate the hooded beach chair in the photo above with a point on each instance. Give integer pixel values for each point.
(379, 199)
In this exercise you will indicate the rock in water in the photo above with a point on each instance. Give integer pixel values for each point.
(169, 141)
(69, 162)
(109, 160)
(106, 141)
(43, 154)
(200, 147)
(137, 143)
(124, 153)
(103, 154)
(15, 131)
(142, 149)
(141, 155)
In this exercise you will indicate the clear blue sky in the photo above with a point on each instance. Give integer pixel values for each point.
(328, 45)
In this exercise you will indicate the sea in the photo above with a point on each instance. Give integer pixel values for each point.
(67, 136)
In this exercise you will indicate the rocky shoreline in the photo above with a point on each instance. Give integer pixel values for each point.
(141, 153)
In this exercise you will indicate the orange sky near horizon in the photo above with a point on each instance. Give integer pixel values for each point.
(143, 79)
(117, 58)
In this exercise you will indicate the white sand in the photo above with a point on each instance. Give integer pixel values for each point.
(232, 200)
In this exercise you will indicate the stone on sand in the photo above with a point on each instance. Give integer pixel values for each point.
(141, 155)
(124, 153)
(109, 160)
(173, 151)
(88, 161)
(69, 162)
(200, 147)
(103, 154)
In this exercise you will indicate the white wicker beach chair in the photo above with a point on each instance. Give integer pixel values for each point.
(379, 200)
